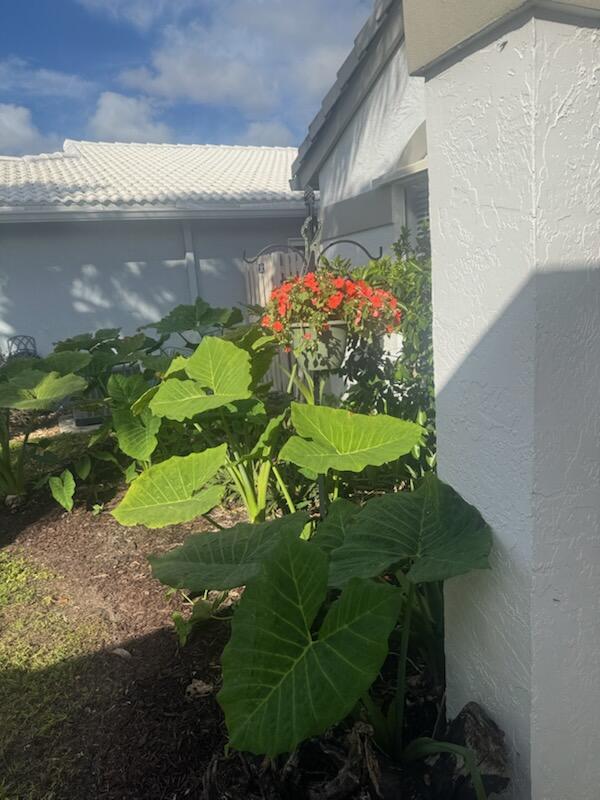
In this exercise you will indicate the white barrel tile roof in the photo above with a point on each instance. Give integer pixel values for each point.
(102, 174)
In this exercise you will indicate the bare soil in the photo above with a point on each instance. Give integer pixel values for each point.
(128, 730)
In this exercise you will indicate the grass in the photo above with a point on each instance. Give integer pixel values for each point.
(40, 672)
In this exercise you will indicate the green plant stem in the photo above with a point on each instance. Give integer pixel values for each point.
(262, 486)
(284, 490)
(292, 379)
(400, 698)
(244, 489)
(214, 522)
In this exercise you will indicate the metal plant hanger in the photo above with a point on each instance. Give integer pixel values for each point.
(311, 233)
(311, 258)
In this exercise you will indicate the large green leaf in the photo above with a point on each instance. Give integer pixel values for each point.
(433, 532)
(220, 374)
(331, 532)
(225, 559)
(65, 362)
(34, 390)
(197, 317)
(168, 493)
(333, 438)
(136, 432)
(124, 390)
(281, 684)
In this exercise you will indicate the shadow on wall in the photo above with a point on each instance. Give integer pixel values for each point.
(61, 279)
(374, 141)
(519, 436)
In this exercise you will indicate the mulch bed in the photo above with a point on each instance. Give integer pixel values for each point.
(143, 733)
(141, 736)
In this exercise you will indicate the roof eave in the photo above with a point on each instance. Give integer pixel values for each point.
(374, 46)
(282, 209)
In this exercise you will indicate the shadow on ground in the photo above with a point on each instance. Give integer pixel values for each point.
(112, 726)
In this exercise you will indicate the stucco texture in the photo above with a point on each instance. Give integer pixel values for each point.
(515, 203)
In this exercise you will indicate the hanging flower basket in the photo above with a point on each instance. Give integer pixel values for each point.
(320, 350)
(313, 316)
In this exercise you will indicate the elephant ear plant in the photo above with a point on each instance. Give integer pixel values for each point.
(32, 385)
(313, 627)
(216, 395)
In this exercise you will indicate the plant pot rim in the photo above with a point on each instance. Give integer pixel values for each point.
(333, 322)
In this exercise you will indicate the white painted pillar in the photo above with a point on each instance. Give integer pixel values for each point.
(513, 126)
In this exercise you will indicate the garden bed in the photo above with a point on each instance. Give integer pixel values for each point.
(93, 687)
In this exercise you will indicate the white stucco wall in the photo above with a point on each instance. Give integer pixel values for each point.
(374, 140)
(60, 279)
(513, 159)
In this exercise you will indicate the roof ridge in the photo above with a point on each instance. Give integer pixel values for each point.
(78, 142)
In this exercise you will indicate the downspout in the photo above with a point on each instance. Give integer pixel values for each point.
(190, 262)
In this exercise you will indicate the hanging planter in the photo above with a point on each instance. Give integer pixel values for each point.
(320, 350)
(314, 314)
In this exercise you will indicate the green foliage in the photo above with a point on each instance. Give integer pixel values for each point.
(331, 533)
(219, 374)
(432, 534)
(136, 433)
(169, 493)
(225, 559)
(330, 438)
(34, 390)
(63, 489)
(401, 386)
(199, 318)
(281, 682)
(28, 390)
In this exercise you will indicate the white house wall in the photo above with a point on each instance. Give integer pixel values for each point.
(370, 147)
(374, 140)
(219, 247)
(60, 279)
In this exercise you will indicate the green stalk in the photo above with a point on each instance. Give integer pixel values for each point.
(245, 491)
(262, 486)
(284, 490)
(400, 698)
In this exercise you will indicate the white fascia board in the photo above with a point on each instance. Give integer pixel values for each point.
(294, 209)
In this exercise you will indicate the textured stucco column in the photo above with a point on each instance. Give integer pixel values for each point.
(513, 125)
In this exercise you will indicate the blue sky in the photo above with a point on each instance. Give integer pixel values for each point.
(228, 71)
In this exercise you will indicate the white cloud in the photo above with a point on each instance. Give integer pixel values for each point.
(17, 75)
(142, 14)
(272, 133)
(254, 55)
(18, 133)
(127, 119)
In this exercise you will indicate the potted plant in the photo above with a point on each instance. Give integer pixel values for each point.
(313, 314)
